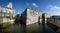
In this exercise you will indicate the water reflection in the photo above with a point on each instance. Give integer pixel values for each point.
(39, 29)
(32, 28)
(5, 28)
(19, 28)
(55, 28)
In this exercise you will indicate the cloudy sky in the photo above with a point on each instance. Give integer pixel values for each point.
(51, 7)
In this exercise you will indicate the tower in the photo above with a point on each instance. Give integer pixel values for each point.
(9, 5)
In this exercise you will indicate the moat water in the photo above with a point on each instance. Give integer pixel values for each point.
(34, 28)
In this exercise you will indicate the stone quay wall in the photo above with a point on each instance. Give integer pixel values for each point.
(54, 21)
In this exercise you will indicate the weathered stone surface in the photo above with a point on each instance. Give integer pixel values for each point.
(33, 16)
(5, 14)
(30, 16)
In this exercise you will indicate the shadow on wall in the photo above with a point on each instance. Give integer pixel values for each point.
(20, 19)
(17, 20)
(43, 19)
(39, 20)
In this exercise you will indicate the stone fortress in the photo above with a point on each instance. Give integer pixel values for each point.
(30, 16)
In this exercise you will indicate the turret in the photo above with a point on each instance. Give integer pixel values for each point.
(9, 5)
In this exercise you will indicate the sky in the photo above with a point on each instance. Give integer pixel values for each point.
(51, 7)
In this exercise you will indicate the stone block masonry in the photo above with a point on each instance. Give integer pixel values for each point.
(31, 16)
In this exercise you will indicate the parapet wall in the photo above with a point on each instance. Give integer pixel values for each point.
(54, 21)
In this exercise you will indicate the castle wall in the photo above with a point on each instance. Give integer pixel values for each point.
(33, 16)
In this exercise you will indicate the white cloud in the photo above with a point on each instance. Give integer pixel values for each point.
(53, 10)
(54, 7)
(34, 4)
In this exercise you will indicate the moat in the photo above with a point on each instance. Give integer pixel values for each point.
(34, 28)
